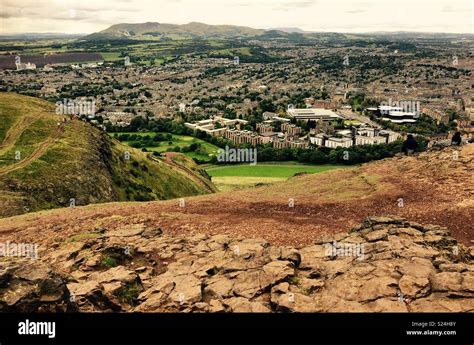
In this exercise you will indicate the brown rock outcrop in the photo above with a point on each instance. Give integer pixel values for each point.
(386, 264)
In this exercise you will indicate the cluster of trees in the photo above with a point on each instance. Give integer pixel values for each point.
(194, 147)
(325, 155)
(359, 101)
(334, 64)
(255, 55)
(133, 137)
(144, 124)
(143, 141)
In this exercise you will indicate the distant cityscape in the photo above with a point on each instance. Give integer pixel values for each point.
(223, 98)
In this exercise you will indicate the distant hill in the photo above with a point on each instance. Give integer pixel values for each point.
(193, 29)
(151, 30)
(290, 30)
(45, 162)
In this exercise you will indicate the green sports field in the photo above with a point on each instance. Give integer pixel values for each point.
(230, 177)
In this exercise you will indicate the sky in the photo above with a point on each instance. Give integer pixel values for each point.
(87, 16)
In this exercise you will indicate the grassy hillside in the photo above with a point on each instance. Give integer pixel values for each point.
(194, 29)
(46, 161)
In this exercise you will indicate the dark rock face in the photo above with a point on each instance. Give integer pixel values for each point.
(30, 286)
(385, 265)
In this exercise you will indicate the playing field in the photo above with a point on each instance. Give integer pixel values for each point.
(230, 177)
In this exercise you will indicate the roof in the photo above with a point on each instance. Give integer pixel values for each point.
(389, 108)
(401, 113)
(312, 112)
(339, 139)
(400, 121)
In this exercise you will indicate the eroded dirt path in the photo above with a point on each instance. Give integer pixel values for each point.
(15, 132)
(37, 153)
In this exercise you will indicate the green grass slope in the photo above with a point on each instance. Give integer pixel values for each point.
(62, 160)
(193, 29)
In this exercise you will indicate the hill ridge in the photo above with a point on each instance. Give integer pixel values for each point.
(46, 160)
(128, 30)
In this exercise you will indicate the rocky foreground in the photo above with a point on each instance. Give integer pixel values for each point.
(386, 264)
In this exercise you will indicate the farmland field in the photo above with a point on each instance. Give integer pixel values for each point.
(8, 61)
(145, 50)
(230, 177)
(111, 56)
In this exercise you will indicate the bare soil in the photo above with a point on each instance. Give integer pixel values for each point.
(430, 188)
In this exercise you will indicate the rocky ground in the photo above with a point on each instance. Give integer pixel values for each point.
(386, 264)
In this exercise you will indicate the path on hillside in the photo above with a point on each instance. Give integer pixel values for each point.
(15, 132)
(37, 153)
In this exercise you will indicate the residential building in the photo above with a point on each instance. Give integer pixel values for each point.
(264, 128)
(365, 140)
(25, 66)
(333, 142)
(390, 136)
(246, 137)
(319, 139)
(283, 143)
(291, 130)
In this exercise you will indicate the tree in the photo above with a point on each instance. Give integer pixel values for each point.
(137, 122)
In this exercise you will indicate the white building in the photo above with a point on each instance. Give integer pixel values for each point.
(118, 118)
(391, 136)
(313, 114)
(400, 117)
(365, 140)
(396, 114)
(268, 115)
(209, 125)
(281, 119)
(338, 142)
(319, 139)
(367, 131)
(25, 66)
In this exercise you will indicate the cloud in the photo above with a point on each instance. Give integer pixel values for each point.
(356, 11)
(299, 4)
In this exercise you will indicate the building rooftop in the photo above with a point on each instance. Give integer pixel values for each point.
(339, 139)
(312, 113)
(402, 113)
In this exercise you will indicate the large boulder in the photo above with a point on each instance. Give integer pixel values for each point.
(28, 285)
